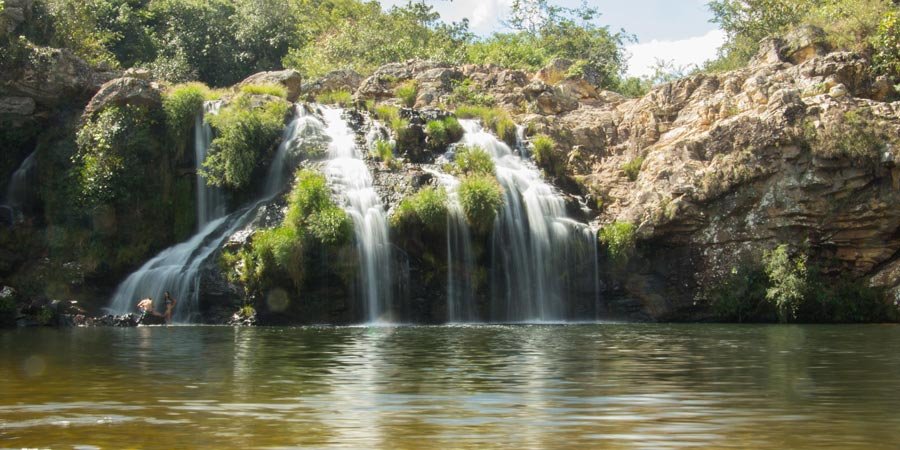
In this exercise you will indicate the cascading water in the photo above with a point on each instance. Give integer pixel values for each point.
(348, 171)
(21, 184)
(460, 256)
(534, 243)
(177, 269)
(210, 199)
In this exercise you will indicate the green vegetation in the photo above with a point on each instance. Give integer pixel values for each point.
(442, 133)
(886, 43)
(618, 237)
(849, 24)
(427, 207)
(277, 255)
(181, 104)
(787, 281)
(481, 198)
(632, 168)
(467, 93)
(473, 160)
(275, 90)
(8, 308)
(407, 92)
(341, 97)
(384, 151)
(244, 134)
(738, 296)
(115, 156)
(854, 136)
(496, 119)
(543, 150)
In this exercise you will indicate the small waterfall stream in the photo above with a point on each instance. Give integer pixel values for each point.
(210, 199)
(347, 170)
(20, 189)
(177, 268)
(460, 256)
(535, 247)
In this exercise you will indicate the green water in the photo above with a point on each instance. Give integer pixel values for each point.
(579, 386)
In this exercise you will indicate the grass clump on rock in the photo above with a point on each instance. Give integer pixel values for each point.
(542, 149)
(181, 105)
(473, 160)
(618, 237)
(427, 207)
(275, 90)
(340, 97)
(444, 132)
(481, 198)
(407, 92)
(632, 168)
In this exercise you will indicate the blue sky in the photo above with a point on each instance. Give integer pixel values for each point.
(675, 30)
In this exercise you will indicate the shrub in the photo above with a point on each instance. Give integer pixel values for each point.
(8, 311)
(427, 207)
(619, 239)
(495, 119)
(887, 45)
(465, 93)
(633, 168)
(244, 133)
(275, 90)
(273, 254)
(330, 225)
(542, 149)
(340, 97)
(740, 294)
(384, 151)
(309, 195)
(787, 281)
(853, 136)
(444, 132)
(117, 153)
(473, 160)
(387, 113)
(181, 105)
(407, 92)
(481, 198)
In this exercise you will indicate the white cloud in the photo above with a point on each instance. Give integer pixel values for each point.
(682, 52)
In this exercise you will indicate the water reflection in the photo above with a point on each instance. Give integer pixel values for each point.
(612, 386)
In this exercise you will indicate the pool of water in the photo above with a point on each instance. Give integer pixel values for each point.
(629, 386)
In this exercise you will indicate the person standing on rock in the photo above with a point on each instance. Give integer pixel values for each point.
(170, 307)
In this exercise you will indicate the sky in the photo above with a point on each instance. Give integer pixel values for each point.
(671, 30)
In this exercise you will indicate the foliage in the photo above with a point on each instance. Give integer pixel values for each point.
(442, 133)
(407, 92)
(8, 309)
(181, 105)
(387, 113)
(788, 280)
(619, 239)
(473, 160)
(739, 297)
(427, 207)
(849, 24)
(340, 97)
(244, 133)
(275, 90)
(542, 149)
(481, 198)
(887, 45)
(384, 151)
(116, 154)
(467, 93)
(853, 136)
(632, 168)
(360, 36)
(496, 119)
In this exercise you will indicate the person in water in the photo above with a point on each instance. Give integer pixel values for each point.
(170, 307)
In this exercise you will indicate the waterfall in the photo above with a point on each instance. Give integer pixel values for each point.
(347, 170)
(177, 268)
(460, 256)
(210, 199)
(20, 189)
(536, 249)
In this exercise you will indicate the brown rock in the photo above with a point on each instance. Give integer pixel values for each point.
(125, 91)
(289, 78)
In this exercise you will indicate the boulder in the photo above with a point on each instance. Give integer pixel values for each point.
(290, 79)
(125, 91)
(337, 80)
(17, 106)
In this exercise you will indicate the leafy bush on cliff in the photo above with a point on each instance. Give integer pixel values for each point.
(442, 133)
(618, 237)
(117, 152)
(427, 207)
(244, 134)
(788, 280)
(853, 135)
(481, 198)
(887, 45)
(543, 151)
